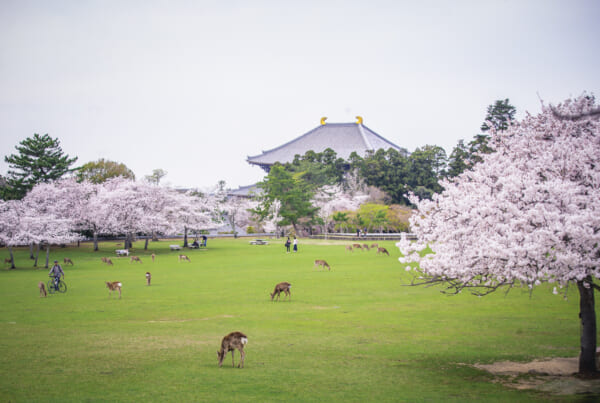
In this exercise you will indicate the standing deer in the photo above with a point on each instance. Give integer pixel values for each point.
(68, 260)
(375, 246)
(153, 256)
(382, 250)
(284, 287)
(349, 248)
(42, 288)
(322, 263)
(365, 247)
(184, 257)
(356, 246)
(148, 278)
(114, 286)
(230, 343)
(135, 259)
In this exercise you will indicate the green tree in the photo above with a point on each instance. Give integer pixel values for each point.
(291, 191)
(157, 175)
(39, 160)
(499, 115)
(101, 170)
(459, 160)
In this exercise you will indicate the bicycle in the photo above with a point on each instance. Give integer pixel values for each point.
(62, 286)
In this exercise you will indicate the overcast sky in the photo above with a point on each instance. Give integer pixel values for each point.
(194, 87)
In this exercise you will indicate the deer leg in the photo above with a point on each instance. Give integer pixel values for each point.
(232, 358)
(243, 356)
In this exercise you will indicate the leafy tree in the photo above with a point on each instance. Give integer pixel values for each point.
(319, 169)
(293, 194)
(525, 215)
(101, 170)
(157, 175)
(39, 160)
(499, 115)
(459, 160)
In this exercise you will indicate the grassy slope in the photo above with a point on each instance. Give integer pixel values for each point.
(353, 334)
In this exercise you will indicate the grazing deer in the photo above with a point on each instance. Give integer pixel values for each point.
(230, 343)
(322, 263)
(153, 256)
(184, 257)
(382, 250)
(42, 288)
(284, 287)
(356, 246)
(375, 246)
(135, 259)
(365, 247)
(67, 260)
(148, 278)
(349, 248)
(114, 286)
(109, 262)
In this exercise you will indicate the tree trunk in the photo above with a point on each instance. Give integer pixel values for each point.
(47, 254)
(31, 251)
(185, 242)
(95, 236)
(587, 314)
(37, 255)
(146, 244)
(12, 258)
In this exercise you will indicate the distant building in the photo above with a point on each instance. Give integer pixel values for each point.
(343, 138)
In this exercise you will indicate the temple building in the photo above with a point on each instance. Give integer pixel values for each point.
(343, 138)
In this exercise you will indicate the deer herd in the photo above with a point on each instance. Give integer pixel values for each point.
(235, 340)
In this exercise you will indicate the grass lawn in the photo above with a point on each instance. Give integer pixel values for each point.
(351, 334)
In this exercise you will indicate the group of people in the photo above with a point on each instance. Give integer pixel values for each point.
(288, 243)
(195, 244)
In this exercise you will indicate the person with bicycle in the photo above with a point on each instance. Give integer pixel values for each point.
(56, 271)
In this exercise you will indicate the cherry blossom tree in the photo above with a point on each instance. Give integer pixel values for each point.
(333, 198)
(190, 211)
(237, 212)
(527, 214)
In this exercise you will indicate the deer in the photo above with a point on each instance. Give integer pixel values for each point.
(42, 288)
(356, 246)
(284, 287)
(107, 261)
(114, 286)
(234, 340)
(148, 278)
(153, 256)
(375, 246)
(184, 257)
(382, 250)
(365, 247)
(7, 260)
(322, 263)
(135, 259)
(349, 248)
(68, 260)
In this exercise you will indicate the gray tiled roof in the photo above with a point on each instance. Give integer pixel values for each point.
(343, 138)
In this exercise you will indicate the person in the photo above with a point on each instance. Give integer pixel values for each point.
(287, 245)
(295, 245)
(56, 271)
(358, 232)
(195, 244)
(204, 239)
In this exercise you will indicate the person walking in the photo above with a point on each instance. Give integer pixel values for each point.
(287, 245)
(295, 245)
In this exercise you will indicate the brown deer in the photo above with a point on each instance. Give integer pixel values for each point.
(148, 278)
(349, 248)
(382, 250)
(234, 340)
(356, 246)
(114, 286)
(184, 257)
(7, 260)
(67, 260)
(322, 263)
(375, 246)
(42, 288)
(153, 256)
(135, 259)
(284, 287)
(108, 261)
(365, 247)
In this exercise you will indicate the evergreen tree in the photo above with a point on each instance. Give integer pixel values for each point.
(40, 160)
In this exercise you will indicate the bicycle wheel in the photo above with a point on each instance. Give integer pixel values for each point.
(62, 287)
(50, 286)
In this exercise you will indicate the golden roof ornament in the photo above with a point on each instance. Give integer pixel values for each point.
(323, 119)
(359, 120)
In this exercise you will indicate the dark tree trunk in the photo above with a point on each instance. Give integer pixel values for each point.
(31, 251)
(37, 255)
(185, 241)
(12, 258)
(587, 314)
(47, 254)
(146, 244)
(95, 241)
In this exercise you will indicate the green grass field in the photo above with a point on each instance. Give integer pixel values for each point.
(353, 334)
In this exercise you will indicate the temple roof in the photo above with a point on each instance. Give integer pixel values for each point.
(343, 138)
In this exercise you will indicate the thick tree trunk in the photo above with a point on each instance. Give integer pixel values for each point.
(587, 314)
(146, 244)
(12, 258)
(95, 236)
(31, 251)
(185, 241)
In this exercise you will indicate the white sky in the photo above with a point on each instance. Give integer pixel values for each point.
(194, 87)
